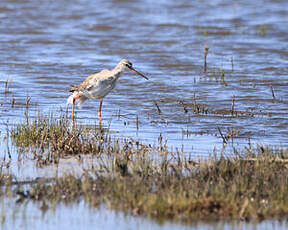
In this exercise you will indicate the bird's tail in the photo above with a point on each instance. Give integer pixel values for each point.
(80, 99)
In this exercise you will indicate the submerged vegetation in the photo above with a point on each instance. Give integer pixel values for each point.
(153, 182)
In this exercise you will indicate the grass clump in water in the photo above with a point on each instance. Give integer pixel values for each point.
(155, 183)
(251, 187)
(39, 131)
(51, 138)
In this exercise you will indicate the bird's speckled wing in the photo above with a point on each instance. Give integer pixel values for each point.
(84, 84)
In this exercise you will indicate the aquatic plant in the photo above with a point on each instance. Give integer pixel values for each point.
(250, 186)
(137, 179)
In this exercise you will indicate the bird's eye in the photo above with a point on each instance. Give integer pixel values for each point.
(129, 65)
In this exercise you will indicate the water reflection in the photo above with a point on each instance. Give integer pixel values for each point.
(31, 215)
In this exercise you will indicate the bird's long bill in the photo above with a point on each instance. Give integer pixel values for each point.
(135, 71)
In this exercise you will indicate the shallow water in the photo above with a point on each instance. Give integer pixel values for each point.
(48, 45)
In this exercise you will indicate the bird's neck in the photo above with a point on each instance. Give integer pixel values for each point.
(118, 70)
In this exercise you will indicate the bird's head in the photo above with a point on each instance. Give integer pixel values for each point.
(128, 65)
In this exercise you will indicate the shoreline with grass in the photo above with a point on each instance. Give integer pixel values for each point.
(151, 182)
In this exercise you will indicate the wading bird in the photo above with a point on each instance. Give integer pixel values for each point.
(98, 85)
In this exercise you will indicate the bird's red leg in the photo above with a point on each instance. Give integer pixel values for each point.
(73, 105)
(99, 113)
